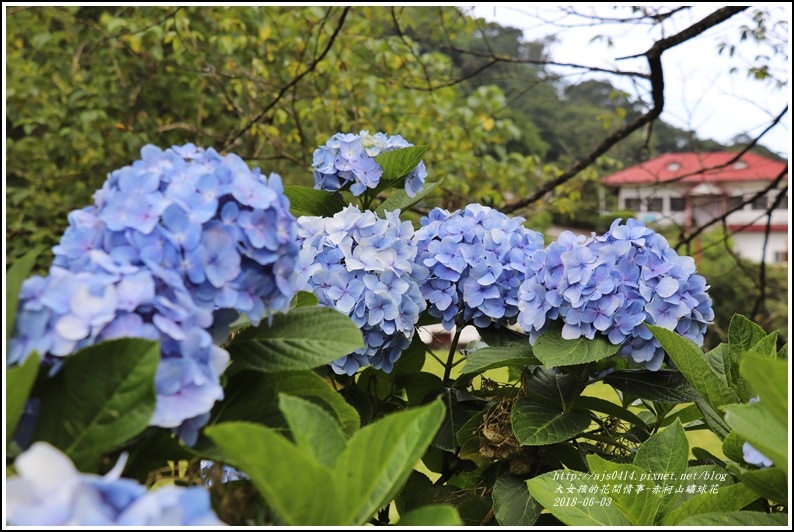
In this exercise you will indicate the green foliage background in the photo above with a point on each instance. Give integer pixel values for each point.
(88, 87)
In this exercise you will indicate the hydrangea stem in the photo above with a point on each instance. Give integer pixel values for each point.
(453, 347)
(366, 200)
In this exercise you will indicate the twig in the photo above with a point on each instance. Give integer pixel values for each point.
(404, 40)
(188, 127)
(168, 15)
(738, 155)
(456, 81)
(543, 62)
(294, 81)
(684, 240)
(760, 299)
(598, 20)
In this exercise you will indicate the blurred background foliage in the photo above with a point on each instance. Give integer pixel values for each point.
(87, 87)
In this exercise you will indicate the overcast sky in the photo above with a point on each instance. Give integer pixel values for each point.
(700, 92)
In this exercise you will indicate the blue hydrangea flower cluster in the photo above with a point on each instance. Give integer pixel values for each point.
(171, 242)
(477, 258)
(364, 266)
(611, 285)
(350, 158)
(49, 491)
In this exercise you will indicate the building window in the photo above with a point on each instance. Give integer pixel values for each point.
(677, 204)
(673, 167)
(780, 256)
(734, 202)
(655, 204)
(739, 165)
(760, 203)
(631, 204)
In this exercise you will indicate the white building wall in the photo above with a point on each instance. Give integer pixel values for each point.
(646, 194)
(746, 244)
(751, 246)
(749, 214)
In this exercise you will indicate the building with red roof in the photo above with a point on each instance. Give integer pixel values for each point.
(690, 189)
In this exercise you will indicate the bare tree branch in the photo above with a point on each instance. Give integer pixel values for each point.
(761, 297)
(654, 18)
(716, 18)
(543, 62)
(654, 57)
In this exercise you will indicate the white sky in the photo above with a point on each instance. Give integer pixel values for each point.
(700, 92)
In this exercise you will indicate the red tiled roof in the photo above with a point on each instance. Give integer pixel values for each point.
(658, 170)
(758, 228)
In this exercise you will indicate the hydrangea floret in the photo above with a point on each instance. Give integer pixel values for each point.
(752, 455)
(477, 258)
(171, 241)
(49, 491)
(611, 285)
(364, 266)
(349, 159)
